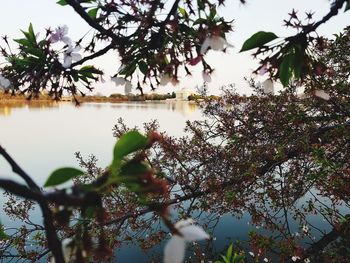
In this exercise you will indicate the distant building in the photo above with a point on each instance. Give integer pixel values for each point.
(183, 93)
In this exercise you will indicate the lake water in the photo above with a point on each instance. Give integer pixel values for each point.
(44, 136)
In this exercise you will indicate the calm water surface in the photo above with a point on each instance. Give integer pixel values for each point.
(42, 137)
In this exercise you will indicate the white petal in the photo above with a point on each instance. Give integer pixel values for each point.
(67, 61)
(184, 222)
(64, 29)
(5, 83)
(174, 251)
(322, 94)
(206, 76)
(193, 233)
(118, 81)
(217, 43)
(66, 40)
(205, 45)
(76, 56)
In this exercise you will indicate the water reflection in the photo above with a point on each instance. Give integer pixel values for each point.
(183, 107)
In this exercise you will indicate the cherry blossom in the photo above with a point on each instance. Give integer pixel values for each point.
(174, 251)
(215, 43)
(321, 94)
(4, 82)
(70, 55)
(206, 76)
(295, 258)
(60, 35)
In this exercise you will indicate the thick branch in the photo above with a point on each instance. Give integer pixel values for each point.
(18, 170)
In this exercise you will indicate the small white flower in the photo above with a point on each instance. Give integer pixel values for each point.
(174, 251)
(215, 43)
(263, 70)
(70, 55)
(322, 94)
(206, 76)
(307, 260)
(60, 35)
(118, 81)
(266, 260)
(305, 229)
(251, 253)
(4, 82)
(295, 258)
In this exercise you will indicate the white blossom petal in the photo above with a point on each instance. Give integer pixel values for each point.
(174, 251)
(206, 76)
(66, 40)
(205, 46)
(184, 222)
(76, 56)
(322, 94)
(193, 233)
(67, 61)
(295, 258)
(4, 82)
(306, 260)
(217, 43)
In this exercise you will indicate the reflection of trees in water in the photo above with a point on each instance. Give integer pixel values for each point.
(183, 107)
(6, 107)
(268, 158)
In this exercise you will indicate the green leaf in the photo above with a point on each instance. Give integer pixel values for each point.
(93, 12)
(62, 2)
(134, 168)
(183, 12)
(23, 41)
(3, 235)
(62, 175)
(257, 40)
(128, 143)
(285, 69)
(143, 67)
(347, 7)
(229, 252)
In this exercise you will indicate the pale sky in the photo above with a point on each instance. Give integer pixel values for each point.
(232, 67)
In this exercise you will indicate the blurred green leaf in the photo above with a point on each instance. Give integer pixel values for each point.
(133, 168)
(3, 235)
(143, 67)
(257, 40)
(128, 143)
(347, 6)
(62, 175)
(93, 12)
(62, 2)
(285, 69)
